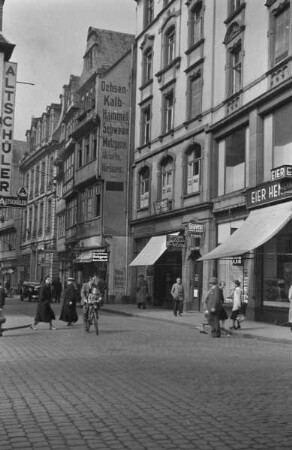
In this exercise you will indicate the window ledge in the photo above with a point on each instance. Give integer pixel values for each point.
(146, 208)
(168, 133)
(141, 147)
(195, 46)
(193, 119)
(175, 62)
(234, 14)
(145, 85)
(192, 194)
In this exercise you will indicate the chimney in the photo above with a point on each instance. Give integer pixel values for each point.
(1, 14)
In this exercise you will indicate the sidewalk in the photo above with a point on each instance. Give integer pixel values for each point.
(20, 315)
(249, 329)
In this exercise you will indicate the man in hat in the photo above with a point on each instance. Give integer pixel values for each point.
(142, 292)
(68, 312)
(213, 306)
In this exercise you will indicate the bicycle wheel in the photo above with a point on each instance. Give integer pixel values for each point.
(95, 322)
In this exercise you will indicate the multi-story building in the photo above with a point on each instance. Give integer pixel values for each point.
(38, 238)
(92, 164)
(213, 113)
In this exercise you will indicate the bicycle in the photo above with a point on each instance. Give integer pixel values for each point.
(92, 314)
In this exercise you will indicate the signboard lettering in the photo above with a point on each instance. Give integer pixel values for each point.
(16, 202)
(8, 106)
(195, 227)
(265, 193)
(175, 241)
(281, 172)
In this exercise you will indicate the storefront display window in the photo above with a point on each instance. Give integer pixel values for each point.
(277, 268)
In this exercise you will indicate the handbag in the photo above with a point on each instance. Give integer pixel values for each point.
(2, 317)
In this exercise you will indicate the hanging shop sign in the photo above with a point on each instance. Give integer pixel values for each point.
(16, 202)
(237, 261)
(175, 241)
(7, 122)
(281, 172)
(195, 227)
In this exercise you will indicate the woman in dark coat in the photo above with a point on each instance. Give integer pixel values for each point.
(68, 313)
(44, 312)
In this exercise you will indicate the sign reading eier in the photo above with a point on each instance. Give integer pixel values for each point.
(114, 128)
(7, 113)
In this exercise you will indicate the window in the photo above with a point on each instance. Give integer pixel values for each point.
(167, 178)
(146, 125)
(282, 154)
(49, 215)
(168, 111)
(40, 228)
(193, 159)
(169, 45)
(233, 6)
(235, 69)
(196, 23)
(90, 209)
(232, 162)
(94, 146)
(281, 34)
(86, 150)
(149, 11)
(147, 63)
(71, 213)
(144, 187)
(37, 179)
(79, 154)
(43, 174)
(195, 95)
(35, 220)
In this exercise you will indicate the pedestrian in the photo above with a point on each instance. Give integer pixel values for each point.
(68, 312)
(236, 305)
(7, 287)
(290, 307)
(177, 292)
(213, 306)
(86, 290)
(44, 312)
(142, 292)
(2, 303)
(57, 285)
(223, 314)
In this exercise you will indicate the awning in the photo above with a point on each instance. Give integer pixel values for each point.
(84, 257)
(154, 248)
(260, 226)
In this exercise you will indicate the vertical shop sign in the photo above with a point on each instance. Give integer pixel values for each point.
(7, 119)
(113, 99)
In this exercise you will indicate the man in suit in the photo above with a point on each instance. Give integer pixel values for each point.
(213, 306)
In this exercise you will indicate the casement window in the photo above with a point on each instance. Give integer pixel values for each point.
(31, 183)
(167, 178)
(195, 95)
(148, 12)
(280, 35)
(35, 220)
(43, 176)
(169, 51)
(232, 163)
(79, 154)
(49, 215)
(71, 213)
(168, 111)
(144, 188)
(94, 146)
(37, 179)
(40, 227)
(146, 125)
(193, 167)
(147, 65)
(68, 168)
(196, 24)
(86, 150)
(235, 69)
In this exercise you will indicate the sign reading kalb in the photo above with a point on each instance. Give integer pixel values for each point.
(7, 122)
(113, 99)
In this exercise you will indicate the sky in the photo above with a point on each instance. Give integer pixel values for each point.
(50, 39)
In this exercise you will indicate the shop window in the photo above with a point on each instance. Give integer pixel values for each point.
(232, 173)
(144, 188)
(195, 95)
(168, 111)
(147, 65)
(167, 178)
(277, 268)
(280, 30)
(169, 45)
(193, 165)
(196, 23)
(146, 125)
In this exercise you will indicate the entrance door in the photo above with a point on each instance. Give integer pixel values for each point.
(166, 270)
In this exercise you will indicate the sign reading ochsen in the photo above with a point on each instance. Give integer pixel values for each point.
(8, 106)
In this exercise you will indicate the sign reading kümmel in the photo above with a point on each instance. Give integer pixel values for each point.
(6, 136)
(113, 98)
(265, 193)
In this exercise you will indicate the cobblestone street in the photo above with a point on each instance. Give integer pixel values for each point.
(142, 384)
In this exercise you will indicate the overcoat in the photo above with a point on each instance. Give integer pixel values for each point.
(142, 291)
(68, 312)
(44, 311)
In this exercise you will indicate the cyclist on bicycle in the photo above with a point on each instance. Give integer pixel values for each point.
(91, 291)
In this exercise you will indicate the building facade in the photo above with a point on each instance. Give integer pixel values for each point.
(212, 125)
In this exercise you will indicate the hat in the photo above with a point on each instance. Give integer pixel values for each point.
(70, 279)
(141, 275)
(237, 282)
(213, 280)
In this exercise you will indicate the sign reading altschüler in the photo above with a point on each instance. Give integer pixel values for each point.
(113, 98)
(6, 135)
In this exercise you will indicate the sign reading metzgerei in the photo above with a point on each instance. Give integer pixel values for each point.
(175, 241)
